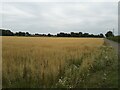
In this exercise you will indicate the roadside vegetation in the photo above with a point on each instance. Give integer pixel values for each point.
(58, 63)
(115, 38)
(109, 35)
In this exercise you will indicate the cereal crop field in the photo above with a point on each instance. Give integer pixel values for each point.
(51, 62)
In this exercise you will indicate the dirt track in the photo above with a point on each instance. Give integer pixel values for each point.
(115, 45)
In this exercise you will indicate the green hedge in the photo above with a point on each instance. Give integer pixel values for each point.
(115, 38)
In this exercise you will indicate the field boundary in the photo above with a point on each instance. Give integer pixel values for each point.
(114, 44)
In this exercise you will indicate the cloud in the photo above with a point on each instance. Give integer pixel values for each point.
(53, 17)
(12, 11)
(60, 1)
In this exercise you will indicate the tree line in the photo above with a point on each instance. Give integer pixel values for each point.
(61, 34)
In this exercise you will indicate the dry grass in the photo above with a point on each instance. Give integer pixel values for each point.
(41, 61)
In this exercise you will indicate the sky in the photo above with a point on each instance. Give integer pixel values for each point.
(54, 17)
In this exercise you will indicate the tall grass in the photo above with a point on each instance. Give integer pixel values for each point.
(57, 62)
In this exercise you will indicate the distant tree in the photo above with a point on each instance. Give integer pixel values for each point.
(101, 35)
(27, 34)
(109, 34)
(36, 34)
(72, 34)
(91, 35)
(49, 35)
(6, 32)
(86, 35)
(61, 34)
(20, 34)
(76, 34)
(80, 34)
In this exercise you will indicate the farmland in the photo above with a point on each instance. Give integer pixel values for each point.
(42, 62)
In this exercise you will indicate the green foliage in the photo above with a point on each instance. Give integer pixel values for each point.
(115, 38)
(102, 73)
(109, 34)
(61, 34)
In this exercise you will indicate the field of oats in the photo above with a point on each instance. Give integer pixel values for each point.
(41, 62)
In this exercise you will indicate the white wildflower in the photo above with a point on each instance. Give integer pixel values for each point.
(60, 80)
(105, 74)
(106, 57)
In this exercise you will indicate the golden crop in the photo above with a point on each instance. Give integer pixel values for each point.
(41, 60)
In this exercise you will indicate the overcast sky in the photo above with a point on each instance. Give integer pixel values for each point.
(51, 17)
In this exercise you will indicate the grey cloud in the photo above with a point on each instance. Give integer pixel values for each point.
(55, 17)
